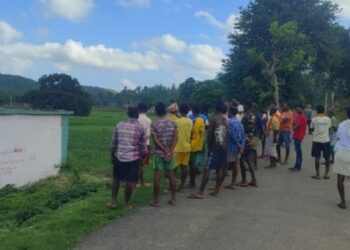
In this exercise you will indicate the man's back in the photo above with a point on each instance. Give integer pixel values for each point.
(184, 128)
(130, 139)
(321, 125)
(164, 129)
(146, 123)
(217, 133)
(198, 134)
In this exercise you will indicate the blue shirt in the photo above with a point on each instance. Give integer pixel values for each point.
(236, 135)
(203, 116)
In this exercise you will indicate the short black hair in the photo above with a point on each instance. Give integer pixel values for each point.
(348, 112)
(195, 109)
(299, 106)
(233, 111)
(220, 107)
(320, 109)
(143, 108)
(133, 112)
(160, 109)
(184, 109)
(273, 110)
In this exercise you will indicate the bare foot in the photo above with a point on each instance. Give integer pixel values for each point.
(111, 205)
(154, 204)
(231, 186)
(172, 203)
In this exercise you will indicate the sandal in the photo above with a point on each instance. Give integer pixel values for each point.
(316, 177)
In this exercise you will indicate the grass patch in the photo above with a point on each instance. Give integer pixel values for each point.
(58, 212)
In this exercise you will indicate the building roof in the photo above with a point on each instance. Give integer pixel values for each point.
(6, 111)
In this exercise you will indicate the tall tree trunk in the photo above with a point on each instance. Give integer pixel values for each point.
(276, 90)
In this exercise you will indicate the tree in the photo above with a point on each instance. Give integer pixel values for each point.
(206, 93)
(186, 89)
(60, 91)
(279, 44)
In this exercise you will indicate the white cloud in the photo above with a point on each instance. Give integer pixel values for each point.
(187, 60)
(8, 33)
(73, 53)
(165, 42)
(137, 3)
(206, 58)
(203, 58)
(73, 10)
(129, 84)
(345, 6)
(227, 26)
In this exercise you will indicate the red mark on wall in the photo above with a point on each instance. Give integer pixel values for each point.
(15, 157)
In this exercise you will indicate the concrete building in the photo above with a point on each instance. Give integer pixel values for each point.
(32, 145)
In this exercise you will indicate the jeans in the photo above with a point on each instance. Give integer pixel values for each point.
(299, 154)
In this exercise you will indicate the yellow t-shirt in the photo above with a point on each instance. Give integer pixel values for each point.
(184, 129)
(198, 135)
(275, 123)
(173, 117)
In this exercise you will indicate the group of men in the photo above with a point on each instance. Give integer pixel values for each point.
(183, 138)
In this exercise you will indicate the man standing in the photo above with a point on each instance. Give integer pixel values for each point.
(308, 114)
(299, 130)
(183, 146)
(128, 147)
(272, 129)
(342, 157)
(284, 137)
(321, 144)
(146, 123)
(235, 144)
(217, 146)
(173, 109)
(249, 125)
(197, 144)
(164, 134)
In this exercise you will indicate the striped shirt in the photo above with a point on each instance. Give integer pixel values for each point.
(164, 129)
(129, 141)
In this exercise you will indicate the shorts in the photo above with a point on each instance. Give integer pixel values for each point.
(232, 157)
(217, 160)
(197, 158)
(126, 171)
(182, 159)
(160, 164)
(284, 137)
(145, 160)
(318, 147)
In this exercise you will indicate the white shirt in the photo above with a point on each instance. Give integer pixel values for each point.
(343, 135)
(321, 126)
(146, 123)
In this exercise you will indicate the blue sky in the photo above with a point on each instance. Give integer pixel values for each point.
(117, 43)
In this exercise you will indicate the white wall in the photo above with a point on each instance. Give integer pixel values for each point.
(30, 148)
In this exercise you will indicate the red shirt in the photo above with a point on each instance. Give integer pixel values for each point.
(299, 124)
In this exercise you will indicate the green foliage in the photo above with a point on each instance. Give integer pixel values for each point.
(206, 93)
(60, 91)
(16, 85)
(281, 46)
(8, 189)
(186, 89)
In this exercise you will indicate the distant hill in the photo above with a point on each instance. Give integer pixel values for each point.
(19, 85)
(16, 85)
